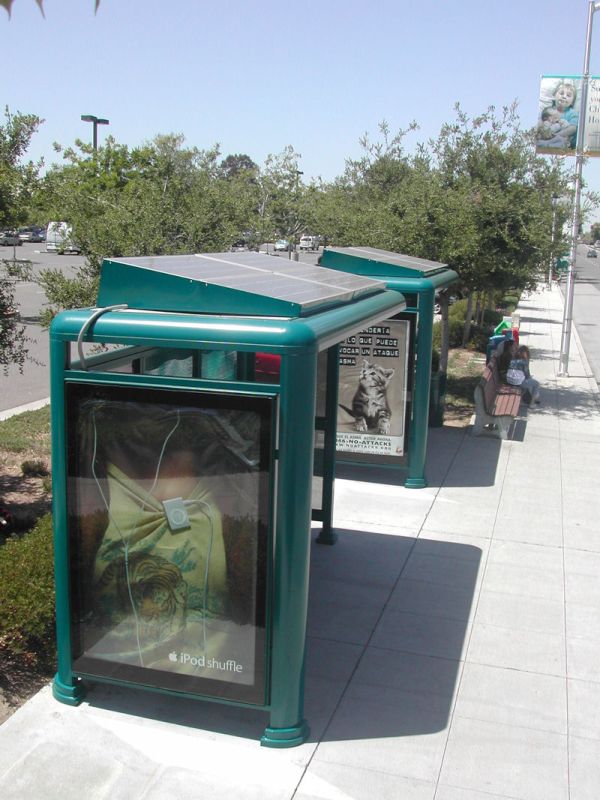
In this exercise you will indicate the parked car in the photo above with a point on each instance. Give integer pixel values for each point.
(59, 239)
(309, 243)
(32, 234)
(239, 246)
(10, 238)
(282, 244)
(591, 253)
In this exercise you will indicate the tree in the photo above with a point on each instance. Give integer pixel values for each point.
(280, 207)
(238, 164)
(17, 181)
(160, 198)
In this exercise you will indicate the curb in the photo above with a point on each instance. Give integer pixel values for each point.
(11, 412)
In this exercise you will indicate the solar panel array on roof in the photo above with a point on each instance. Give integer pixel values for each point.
(421, 265)
(251, 283)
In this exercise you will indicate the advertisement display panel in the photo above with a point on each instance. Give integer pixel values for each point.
(373, 390)
(168, 498)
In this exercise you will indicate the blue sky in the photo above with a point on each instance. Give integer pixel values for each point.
(257, 76)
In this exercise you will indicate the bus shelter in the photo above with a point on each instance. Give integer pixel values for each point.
(385, 369)
(183, 475)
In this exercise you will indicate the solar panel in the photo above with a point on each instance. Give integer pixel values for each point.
(303, 287)
(422, 265)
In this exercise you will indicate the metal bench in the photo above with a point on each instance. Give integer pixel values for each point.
(496, 403)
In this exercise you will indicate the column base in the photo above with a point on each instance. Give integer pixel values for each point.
(415, 483)
(326, 536)
(285, 737)
(66, 693)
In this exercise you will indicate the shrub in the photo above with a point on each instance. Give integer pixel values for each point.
(458, 310)
(27, 635)
(455, 333)
(34, 468)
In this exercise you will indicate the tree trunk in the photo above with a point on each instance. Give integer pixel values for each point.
(468, 319)
(445, 343)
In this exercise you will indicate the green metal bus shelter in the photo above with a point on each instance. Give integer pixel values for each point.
(418, 279)
(183, 477)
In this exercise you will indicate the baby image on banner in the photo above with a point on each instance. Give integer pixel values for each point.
(372, 390)
(558, 114)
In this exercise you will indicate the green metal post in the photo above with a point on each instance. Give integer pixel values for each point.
(292, 550)
(65, 687)
(327, 535)
(420, 415)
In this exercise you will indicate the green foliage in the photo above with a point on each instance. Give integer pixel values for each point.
(455, 333)
(17, 181)
(163, 198)
(24, 431)
(458, 310)
(34, 468)
(27, 598)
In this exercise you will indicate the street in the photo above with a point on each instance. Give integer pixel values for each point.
(16, 388)
(33, 384)
(586, 306)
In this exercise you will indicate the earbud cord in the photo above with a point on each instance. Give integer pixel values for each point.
(124, 541)
(207, 564)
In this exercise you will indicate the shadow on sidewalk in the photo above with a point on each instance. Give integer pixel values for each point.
(387, 624)
(403, 605)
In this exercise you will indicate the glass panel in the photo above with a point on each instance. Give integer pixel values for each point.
(169, 509)
(169, 363)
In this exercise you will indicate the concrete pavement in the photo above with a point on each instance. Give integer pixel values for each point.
(453, 650)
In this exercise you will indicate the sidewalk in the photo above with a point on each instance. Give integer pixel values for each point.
(454, 640)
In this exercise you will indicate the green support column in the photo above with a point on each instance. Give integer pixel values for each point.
(420, 415)
(292, 551)
(65, 687)
(327, 535)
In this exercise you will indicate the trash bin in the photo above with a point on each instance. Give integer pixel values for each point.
(437, 399)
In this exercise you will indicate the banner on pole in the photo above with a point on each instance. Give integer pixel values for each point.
(591, 145)
(558, 115)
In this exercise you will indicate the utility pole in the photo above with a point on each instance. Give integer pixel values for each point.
(565, 342)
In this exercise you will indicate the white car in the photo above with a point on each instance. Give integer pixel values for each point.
(309, 243)
(282, 244)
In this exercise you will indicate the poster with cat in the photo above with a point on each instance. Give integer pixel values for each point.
(373, 390)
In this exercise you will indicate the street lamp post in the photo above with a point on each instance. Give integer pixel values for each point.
(565, 342)
(95, 122)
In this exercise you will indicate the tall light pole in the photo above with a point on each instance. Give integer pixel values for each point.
(95, 122)
(565, 342)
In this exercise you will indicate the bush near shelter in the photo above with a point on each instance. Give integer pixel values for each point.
(27, 636)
